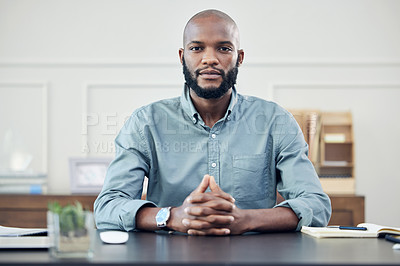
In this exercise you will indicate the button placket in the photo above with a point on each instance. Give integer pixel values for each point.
(213, 155)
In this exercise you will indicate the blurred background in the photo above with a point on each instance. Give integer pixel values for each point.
(72, 71)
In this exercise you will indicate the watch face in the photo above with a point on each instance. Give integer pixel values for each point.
(162, 216)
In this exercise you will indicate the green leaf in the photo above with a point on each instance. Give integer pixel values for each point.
(71, 217)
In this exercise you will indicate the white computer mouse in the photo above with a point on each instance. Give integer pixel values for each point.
(114, 237)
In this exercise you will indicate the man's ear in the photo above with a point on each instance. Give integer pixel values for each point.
(240, 56)
(181, 50)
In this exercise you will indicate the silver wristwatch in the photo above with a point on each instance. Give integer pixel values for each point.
(162, 217)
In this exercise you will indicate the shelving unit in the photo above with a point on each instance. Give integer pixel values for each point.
(336, 166)
(331, 147)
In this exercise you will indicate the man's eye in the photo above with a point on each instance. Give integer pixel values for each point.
(195, 48)
(225, 49)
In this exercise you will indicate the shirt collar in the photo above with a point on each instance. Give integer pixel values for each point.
(189, 108)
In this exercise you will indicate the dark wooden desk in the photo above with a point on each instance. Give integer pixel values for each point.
(256, 249)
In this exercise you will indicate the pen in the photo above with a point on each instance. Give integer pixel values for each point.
(349, 228)
(392, 238)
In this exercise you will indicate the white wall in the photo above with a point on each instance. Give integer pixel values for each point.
(60, 60)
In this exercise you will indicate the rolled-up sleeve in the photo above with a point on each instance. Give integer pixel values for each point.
(119, 201)
(298, 182)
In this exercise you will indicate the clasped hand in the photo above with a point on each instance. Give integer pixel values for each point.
(208, 213)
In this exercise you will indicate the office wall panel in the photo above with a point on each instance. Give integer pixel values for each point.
(23, 127)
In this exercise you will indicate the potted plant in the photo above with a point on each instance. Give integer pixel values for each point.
(70, 228)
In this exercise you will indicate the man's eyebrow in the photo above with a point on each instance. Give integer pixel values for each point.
(196, 42)
(220, 43)
(226, 42)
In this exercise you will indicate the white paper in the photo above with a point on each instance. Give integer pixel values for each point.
(15, 231)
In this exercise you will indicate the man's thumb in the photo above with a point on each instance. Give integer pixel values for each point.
(203, 185)
(213, 185)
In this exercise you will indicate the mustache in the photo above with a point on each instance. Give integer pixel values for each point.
(221, 71)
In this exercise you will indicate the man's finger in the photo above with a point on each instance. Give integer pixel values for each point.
(217, 204)
(215, 188)
(210, 209)
(203, 185)
(208, 196)
(213, 185)
(212, 221)
(211, 231)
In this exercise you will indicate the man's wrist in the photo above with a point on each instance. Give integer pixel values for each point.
(171, 223)
(145, 218)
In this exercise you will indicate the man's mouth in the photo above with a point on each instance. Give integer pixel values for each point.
(210, 74)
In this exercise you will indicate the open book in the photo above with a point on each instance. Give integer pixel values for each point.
(15, 231)
(373, 230)
(21, 238)
(28, 242)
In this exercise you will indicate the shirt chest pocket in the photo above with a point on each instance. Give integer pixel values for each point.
(250, 177)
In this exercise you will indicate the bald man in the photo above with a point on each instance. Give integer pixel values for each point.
(214, 158)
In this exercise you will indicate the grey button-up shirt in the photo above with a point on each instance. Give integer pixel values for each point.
(256, 149)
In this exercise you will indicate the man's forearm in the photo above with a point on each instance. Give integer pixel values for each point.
(276, 219)
(145, 219)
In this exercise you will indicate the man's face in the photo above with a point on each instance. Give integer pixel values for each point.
(210, 57)
(228, 80)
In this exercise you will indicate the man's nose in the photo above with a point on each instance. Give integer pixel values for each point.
(209, 58)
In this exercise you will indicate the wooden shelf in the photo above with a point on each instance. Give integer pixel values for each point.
(338, 185)
(338, 143)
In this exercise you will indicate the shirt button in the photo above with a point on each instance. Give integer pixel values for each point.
(213, 136)
(213, 164)
(194, 120)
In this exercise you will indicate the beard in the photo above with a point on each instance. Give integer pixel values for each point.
(228, 81)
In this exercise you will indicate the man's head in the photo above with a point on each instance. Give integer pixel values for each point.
(210, 55)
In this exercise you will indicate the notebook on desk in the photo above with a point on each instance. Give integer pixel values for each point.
(24, 238)
(24, 242)
(15, 231)
(372, 230)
